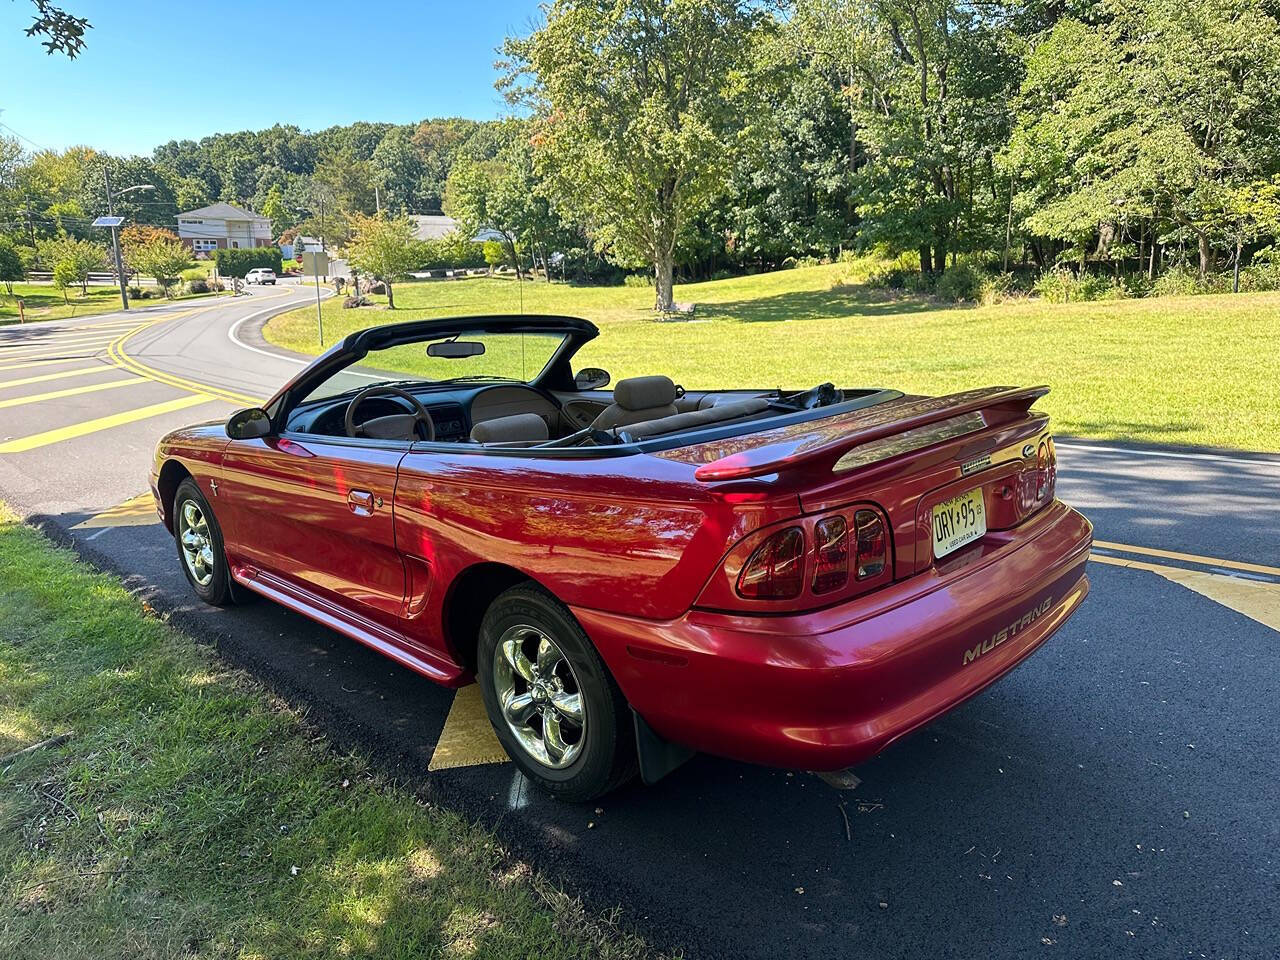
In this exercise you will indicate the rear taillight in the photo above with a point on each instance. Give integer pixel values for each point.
(831, 554)
(1036, 485)
(806, 563)
(775, 570)
(873, 544)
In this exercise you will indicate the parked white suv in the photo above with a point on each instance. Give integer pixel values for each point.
(260, 275)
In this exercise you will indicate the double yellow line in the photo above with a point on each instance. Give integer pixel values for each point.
(116, 353)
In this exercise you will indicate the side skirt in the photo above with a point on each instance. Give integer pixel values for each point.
(387, 642)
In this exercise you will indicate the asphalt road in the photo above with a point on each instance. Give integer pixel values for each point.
(1116, 795)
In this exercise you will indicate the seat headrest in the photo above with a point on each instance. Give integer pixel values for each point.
(515, 428)
(643, 393)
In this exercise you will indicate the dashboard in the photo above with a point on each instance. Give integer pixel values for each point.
(454, 412)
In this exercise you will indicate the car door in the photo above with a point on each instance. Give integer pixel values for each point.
(316, 513)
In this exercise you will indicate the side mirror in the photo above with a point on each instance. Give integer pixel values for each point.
(249, 424)
(591, 378)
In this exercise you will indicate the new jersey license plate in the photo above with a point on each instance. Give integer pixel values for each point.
(958, 521)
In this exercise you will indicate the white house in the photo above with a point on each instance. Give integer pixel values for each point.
(221, 226)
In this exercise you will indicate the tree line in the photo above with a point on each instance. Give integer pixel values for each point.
(1125, 138)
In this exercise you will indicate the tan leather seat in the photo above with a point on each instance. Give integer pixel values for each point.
(637, 399)
(519, 429)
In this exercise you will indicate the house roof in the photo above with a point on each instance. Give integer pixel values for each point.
(433, 226)
(222, 211)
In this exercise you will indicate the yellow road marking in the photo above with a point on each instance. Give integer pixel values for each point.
(121, 359)
(41, 363)
(70, 392)
(1189, 557)
(46, 377)
(22, 444)
(54, 346)
(137, 511)
(467, 739)
(1255, 599)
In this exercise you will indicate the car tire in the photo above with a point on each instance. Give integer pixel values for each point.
(210, 574)
(601, 752)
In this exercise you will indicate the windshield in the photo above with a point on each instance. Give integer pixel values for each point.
(518, 357)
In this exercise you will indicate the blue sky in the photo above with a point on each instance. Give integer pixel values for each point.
(156, 71)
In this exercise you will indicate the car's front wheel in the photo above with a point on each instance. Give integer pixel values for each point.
(200, 549)
(555, 708)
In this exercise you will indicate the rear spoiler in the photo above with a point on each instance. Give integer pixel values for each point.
(823, 442)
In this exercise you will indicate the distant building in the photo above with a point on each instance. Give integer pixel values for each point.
(299, 246)
(436, 225)
(222, 226)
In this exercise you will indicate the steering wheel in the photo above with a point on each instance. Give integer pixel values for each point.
(397, 426)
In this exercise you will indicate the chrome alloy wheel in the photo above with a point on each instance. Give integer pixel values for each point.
(540, 696)
(197, 542)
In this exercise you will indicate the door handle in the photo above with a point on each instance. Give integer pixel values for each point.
(360, 502)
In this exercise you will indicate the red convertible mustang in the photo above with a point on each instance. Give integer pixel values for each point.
(794, 578)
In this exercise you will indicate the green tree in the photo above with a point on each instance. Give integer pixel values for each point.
(1150, 112)
(636, 106)
(384, 247)
(397, 168)
(10, 265)
(64, 32)
(277, 211)
(162, 259)
(64, 276)
(72, 259)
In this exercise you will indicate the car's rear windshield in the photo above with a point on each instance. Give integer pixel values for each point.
(511, 356)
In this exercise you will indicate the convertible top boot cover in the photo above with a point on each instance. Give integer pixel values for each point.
(638, 399)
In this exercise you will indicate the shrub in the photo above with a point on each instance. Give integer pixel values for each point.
(135, 293)
(637, 280)
(997, 288)
(195, 273)
(351, 302)
(238, 262)
(963, 282)
(789, 263)
(494, 253)
(197, 286)
(1176, 281)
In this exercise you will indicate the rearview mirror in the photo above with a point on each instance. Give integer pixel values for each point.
(249, 424)
(591, 378)
(455, 349)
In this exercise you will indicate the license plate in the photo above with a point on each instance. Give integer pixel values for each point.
(958, 521)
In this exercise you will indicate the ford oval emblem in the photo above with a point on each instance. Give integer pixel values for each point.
(1028, 450)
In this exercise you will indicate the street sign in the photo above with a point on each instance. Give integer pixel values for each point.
(315, 264)
(108, 221)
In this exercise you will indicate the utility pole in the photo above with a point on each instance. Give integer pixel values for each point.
(115, 243)
(31, 226)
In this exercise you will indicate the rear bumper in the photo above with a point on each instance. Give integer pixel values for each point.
(828, 689)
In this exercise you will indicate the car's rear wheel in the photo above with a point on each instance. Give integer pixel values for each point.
(200, 550)
(556, 710)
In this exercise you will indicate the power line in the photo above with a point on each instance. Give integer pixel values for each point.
(22, 136)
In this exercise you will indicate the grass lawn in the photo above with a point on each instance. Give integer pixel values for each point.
(45, 302)
(190, 814)
(1192, 370)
